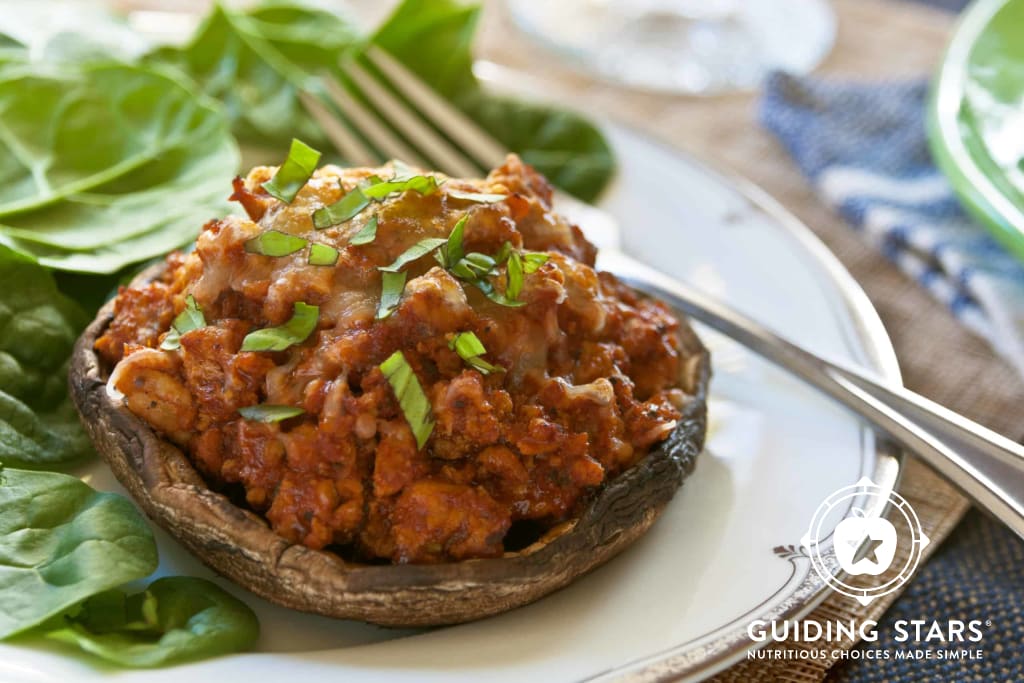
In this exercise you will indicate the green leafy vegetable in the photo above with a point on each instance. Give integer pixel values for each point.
(470, 349)
(275, 243)
(416, 251)
(414, 403)
(479, 197)
(176, 619)
(452, 251)
(345, 209)
(322, 255)
(434, 39)
(191, 318)
(295, 331)
(38, 326)
(514, 275)
(392, 286)
(268, 412)
(257, 63)
(532, 260)
(294, 173)
(502, 299)
(367, 234)
(60, 543)
(81, 193)
(423, 184)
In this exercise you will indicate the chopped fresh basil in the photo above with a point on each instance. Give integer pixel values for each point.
(345, 209)
(294, 173)
(275, 243)
(470, 349)
(453, 252)
(416, 251)
(532, 260)
(295, 331)
(423, 184)
(494, 295)
(367, 234)
(392, 286)
(467, 345)
(411, 398)
(177, 619)
(503, 253)
(514, 275)
(189, 319)
(479, 197)
(322, 255)
(268, 412)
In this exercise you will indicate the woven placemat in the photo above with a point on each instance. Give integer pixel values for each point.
(939, 358)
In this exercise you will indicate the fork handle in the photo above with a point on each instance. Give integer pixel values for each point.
(987, 467)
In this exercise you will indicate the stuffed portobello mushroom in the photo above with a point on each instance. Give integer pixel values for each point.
(388, 395)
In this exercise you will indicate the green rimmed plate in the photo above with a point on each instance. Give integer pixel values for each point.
(976, 117)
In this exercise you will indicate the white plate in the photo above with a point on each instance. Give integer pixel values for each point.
(680, 599)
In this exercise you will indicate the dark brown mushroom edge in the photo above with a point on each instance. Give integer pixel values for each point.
(240, 544)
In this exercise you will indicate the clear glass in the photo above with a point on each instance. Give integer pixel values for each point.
(682, 46)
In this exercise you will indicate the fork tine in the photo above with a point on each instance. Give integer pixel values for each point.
(348, 145)
(453, 122)
(369, 125)
(450, 160)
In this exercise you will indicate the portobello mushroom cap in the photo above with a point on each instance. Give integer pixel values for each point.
(240, 545)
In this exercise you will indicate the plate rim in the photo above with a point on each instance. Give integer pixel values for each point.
(877, 346)
(679, 664)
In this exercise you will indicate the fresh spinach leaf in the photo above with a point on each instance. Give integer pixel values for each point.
(38, 327)
(62, 542)
(434, 38)
(138, 189)
(241, 61)
(257, 62)
(176, 619)
(70, 133)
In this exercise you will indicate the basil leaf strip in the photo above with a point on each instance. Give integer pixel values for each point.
(467, 345)
(411, 398)
(392, 286)
(345, 209)
(532, 260)
(470, 348)
(62, 542)
(295, 331)
(479, 197)
(497, 297)
(176, 619)
(416, 251)
(322, 255)
(269, 412)
(189, 319)
(514, 275)
(275, 243)
(423, 184)
(367, 234)
(453, 252)
(294, 173)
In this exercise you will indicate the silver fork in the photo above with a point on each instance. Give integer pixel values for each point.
(987, 467)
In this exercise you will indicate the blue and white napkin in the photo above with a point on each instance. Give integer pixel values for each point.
(864, 148)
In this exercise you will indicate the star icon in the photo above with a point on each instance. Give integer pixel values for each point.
(867, 550)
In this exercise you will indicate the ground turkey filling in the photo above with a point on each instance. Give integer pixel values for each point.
(591, 371)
